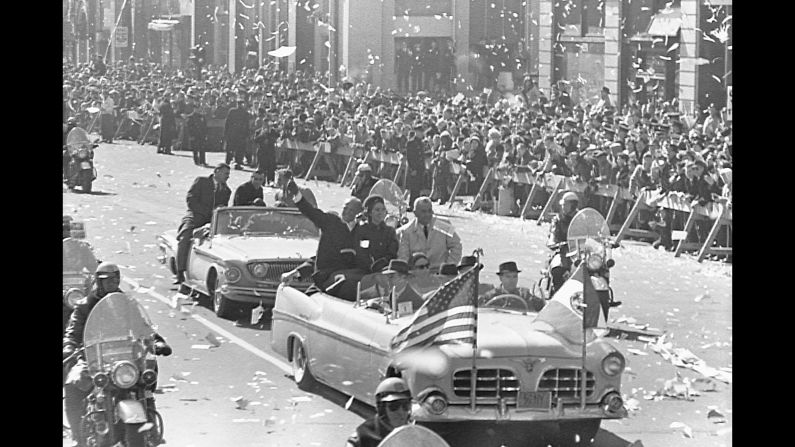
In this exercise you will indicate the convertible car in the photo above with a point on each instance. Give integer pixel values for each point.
(237, 259)
(524, 376)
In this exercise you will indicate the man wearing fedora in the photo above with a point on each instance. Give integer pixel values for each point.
(509, 280)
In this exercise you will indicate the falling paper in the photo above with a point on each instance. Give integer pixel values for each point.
(241, 402)
(715, 417)
(686, 430)
(212, 339)
(349, 403)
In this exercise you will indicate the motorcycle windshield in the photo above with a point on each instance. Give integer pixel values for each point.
(78, 258)
(117, 329)
(588, 230)
(394, 198)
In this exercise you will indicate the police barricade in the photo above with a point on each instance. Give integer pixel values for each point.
(149, 129)
(333, 159)
(716, 214)
(387, 162)
(129, 125)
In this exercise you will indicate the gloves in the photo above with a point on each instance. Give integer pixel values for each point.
(67, 351)
(292, 188)
(161, 348)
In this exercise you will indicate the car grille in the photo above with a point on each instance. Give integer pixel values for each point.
(489, 381)
(566, 383)
(275, 269)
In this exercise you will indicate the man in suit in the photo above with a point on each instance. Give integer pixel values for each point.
(236, 131)
(250, 193)
(335, 263)
(205, 195)
(430, 235)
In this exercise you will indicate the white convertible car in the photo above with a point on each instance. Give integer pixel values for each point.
(524, 376)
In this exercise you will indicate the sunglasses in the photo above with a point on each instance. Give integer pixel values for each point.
(398, 404)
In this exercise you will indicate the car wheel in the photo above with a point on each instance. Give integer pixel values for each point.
(223, 306)
(300, 363)
(576, 434)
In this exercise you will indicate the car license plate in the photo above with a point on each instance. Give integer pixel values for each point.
(85, 165)
(534, 400)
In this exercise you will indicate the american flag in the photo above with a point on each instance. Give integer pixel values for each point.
(448, 316)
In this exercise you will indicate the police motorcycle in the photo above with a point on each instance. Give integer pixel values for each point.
(395, 200)
(81, 171)
(587, 240)
(119, 349)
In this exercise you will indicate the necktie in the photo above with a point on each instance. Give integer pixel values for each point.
(425, 230)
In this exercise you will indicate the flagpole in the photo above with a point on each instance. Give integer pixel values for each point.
(473, 377)
(585, 277)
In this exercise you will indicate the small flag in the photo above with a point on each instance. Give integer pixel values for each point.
(563, 314)
(448, 316)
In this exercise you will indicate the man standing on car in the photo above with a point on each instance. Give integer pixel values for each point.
(205, 195)
(250, 193)
(430, 235)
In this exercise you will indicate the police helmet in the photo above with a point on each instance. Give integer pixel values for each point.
(107, 270)
(77, 137)
(569, 196)
(72, 121)
(392, 389)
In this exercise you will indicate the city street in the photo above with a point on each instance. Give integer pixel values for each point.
(139, 194)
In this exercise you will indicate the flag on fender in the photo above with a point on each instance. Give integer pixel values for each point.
(448, 316)
(572, 310)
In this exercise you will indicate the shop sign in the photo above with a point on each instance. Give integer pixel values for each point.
(121, 37)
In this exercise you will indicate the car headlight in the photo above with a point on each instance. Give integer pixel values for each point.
(72, 296)
(613, 364)
(435, 403)
(595, 261)
(232, 274)
(259, 270)
(125, 374)
(613, 403)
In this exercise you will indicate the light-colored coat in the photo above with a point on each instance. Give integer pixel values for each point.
(441, 246)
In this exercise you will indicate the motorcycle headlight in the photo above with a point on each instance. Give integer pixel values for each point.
(595, 261)
(613, 364)
(125, 374)
(259, 270)
(72, 296)
(149, 376)
(232, 274)
(100, 380)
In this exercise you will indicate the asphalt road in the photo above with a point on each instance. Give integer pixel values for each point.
(140, 194)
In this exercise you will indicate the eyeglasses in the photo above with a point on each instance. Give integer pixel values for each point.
(398, 404)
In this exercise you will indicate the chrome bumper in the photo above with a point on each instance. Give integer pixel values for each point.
(490, 413)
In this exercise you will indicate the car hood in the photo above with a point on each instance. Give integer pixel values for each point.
(247, 248)
(504, 334)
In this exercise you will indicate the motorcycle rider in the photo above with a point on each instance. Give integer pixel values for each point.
(393, 409)
(560, 264)
(71, 123)
(78, 384)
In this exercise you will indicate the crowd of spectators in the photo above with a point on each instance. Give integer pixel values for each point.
(651, 146)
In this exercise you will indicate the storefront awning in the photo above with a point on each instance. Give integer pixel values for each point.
(163, 24)
(665, 23)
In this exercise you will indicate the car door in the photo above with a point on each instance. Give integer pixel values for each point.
(200, 260)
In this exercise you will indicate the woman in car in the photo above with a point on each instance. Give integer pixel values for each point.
(377, 241)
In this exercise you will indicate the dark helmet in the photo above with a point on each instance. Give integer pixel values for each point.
(392, 389)
(71, 121)
(107, 270)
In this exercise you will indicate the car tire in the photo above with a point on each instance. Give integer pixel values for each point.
(300, 363)
(222, 306)
(586, 430)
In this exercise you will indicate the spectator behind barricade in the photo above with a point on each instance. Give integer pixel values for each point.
(428, 234)
(642, 175)
(282, 198)
(713, 122)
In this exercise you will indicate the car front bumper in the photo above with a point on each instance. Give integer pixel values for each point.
(490, 413)
(253, 295)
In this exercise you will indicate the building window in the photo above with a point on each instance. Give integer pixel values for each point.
(580, 17)
(423, 7)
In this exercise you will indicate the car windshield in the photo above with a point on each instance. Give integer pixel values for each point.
(247, 222)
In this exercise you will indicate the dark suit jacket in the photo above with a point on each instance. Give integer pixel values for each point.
(236, 126)
(334, 237)
(203, 198)
(246, 193)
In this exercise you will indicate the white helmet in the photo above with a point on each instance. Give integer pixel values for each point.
(77, 137)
